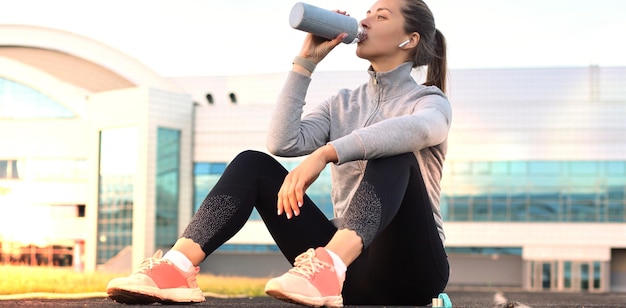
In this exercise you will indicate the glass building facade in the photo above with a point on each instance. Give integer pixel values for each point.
(118, 165)
(513, 191)
(167, 187)
(535, 191)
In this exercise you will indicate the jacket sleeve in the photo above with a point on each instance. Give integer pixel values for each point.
(289, 135)
(426, 126)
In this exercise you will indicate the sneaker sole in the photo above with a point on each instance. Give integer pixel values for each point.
(145, 297)
(329, 301)
(132, 298)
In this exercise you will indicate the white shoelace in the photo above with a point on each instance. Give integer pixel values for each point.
(307, 264)
(150, 263)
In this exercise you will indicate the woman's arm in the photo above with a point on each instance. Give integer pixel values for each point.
(427, 126)
(288, 135)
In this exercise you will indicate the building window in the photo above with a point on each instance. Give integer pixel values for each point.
(80, 210)
(118, 162)
(489, 251)
(205, 176)
(233, 98)
(18, 101)
(209, 99)
(8, 170)
(535, 191)
(167, 186)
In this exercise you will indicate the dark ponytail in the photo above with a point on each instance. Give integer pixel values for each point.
(431, 49)
(438, 67)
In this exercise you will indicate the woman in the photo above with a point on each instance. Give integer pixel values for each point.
(387, 141)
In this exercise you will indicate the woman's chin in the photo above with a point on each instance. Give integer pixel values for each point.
(360, 53)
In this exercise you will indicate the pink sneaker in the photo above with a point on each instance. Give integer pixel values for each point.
(312, 281)
(156, 280)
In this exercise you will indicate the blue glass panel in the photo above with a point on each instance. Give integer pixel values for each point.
(201, 168)
(582, 207)
(518, 167)
(616, 168)
(544, 207)
(460, 209)
(499, 208)
(167, 187)
(513, 251)
(249, 248)
(519, 207)
(206, 176)
(444, 205)
(584, 168)
(543, 167)
(567, 274)
(500, 168)
(480, 209)
(584, 276)
(616, 211)
(596, 274)
(217, 168)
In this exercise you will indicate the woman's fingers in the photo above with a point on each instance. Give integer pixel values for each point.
(292, 201)
(291, 193)
(289, 201)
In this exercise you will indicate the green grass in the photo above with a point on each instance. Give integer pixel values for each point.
(25, 279)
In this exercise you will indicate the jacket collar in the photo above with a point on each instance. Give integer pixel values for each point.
(389, 84)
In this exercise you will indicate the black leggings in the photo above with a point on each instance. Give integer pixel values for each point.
(405, 263)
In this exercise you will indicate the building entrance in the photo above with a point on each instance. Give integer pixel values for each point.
(563, 275)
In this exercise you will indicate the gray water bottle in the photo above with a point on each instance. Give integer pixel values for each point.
(324, 23)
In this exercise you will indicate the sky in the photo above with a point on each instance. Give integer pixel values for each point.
(235, 37)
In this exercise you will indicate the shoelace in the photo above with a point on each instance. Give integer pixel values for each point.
(307, 264)
(150, 263)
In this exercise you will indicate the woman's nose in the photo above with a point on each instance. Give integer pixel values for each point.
(364, 23)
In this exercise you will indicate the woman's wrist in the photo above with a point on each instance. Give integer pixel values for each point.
(303, 65)
(329, 153)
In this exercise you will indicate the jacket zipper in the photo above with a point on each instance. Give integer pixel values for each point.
(379, 91)
(378, 98)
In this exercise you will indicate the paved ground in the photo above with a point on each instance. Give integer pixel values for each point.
(459, 298)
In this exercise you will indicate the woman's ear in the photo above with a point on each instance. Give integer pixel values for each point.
(414, 40)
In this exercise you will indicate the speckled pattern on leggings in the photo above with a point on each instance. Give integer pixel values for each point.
(364, 213)
(212, 215)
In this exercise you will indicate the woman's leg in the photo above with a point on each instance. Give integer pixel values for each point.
(404, 261)
(252, 179)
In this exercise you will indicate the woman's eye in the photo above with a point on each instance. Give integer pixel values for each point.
(380, 17)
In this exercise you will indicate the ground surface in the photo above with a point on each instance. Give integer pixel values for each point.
(460, 298)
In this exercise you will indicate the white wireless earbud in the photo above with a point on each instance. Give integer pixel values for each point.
(404, 43)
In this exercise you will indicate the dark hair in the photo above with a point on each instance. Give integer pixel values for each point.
(431, 49)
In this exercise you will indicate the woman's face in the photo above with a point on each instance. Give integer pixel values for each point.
(384, 24)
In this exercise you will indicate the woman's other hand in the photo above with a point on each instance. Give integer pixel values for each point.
(291, 193)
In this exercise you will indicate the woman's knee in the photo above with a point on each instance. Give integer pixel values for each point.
(251, 159)
(387, 163)
(251, 155)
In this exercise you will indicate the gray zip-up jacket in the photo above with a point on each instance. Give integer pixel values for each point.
(390, 114)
